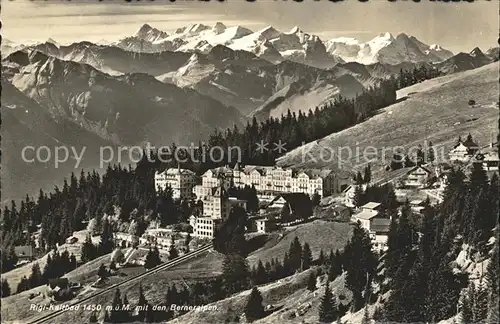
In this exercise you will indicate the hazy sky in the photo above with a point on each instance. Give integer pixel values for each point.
(455, 26)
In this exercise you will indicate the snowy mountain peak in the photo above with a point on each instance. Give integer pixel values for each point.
(386, 35)
(385, 48)
(151, 34)
(295, 30)
(218, 28)
(436, 47)
(476, 52)
(52, 41)
(269, 32)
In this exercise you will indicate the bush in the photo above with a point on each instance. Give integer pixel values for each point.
(472, 102)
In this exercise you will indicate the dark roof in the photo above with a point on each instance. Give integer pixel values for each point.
(469, 143)
(295, 200)
(58, 282)
(380, 225)
(24, 251)
(420, 167)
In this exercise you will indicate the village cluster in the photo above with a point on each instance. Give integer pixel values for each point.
(278, 188)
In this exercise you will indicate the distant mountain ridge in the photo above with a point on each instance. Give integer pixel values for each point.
(295, 45)
(385, 48)
(127, 109)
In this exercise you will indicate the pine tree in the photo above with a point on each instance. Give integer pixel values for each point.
(172, 251)
(254, 308)
(366, 317)
(492, 277)
(358, 199)
(481, 303)
(368, 174)
(260, 275)
(142, 304)
(35, 278)
(295, 255)
(328, 311)
(5, 289)
(360, 264)
(311, 282)
(93, 318)
(106, 244)
(431, 154)
(316, 199)
(102, 272)
(235, 273)
(88, 250)
(306, 257)
(116, 313)
(125, 311)
(321, 258)
(23, 285)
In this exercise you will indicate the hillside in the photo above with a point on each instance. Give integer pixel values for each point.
(26, 123)
(313, 233)
(435, 110)
(128, 109)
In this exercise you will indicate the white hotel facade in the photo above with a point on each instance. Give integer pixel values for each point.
(181, 181)
(274, 180)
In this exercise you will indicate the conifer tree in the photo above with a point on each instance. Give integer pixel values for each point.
(260, 275)
(106, 244)
(366, 317)
(142, 304)
(306, 257)
(431, 154)
(35, 279)
(235, 273)
(254, 308)
(102, 272)
(360, 264)
(88, 250)
(358, 199)
(93, 318)
(116, 313)
(5, 288)
(492, 277)
(295, 255)
(321, 258)
(327, 308)
(367, 178)
(172, 251)
(311, 282)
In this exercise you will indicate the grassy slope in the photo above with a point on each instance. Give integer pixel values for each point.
(207, 265)
(431, 111)
(17, 307)
(287, 295)
(318, 234)
(14, 276)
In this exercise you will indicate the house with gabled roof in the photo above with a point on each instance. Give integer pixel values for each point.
(462, 151)
(418, 177)
(375, 223)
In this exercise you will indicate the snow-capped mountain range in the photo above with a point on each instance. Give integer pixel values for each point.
(295, 45)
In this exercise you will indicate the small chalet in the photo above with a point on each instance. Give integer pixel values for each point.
(374, 223)
(418, 177)
(489, 158)
(265, 225)
(299, 205)
(367, 212)
(24, 252)
(463, 150)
